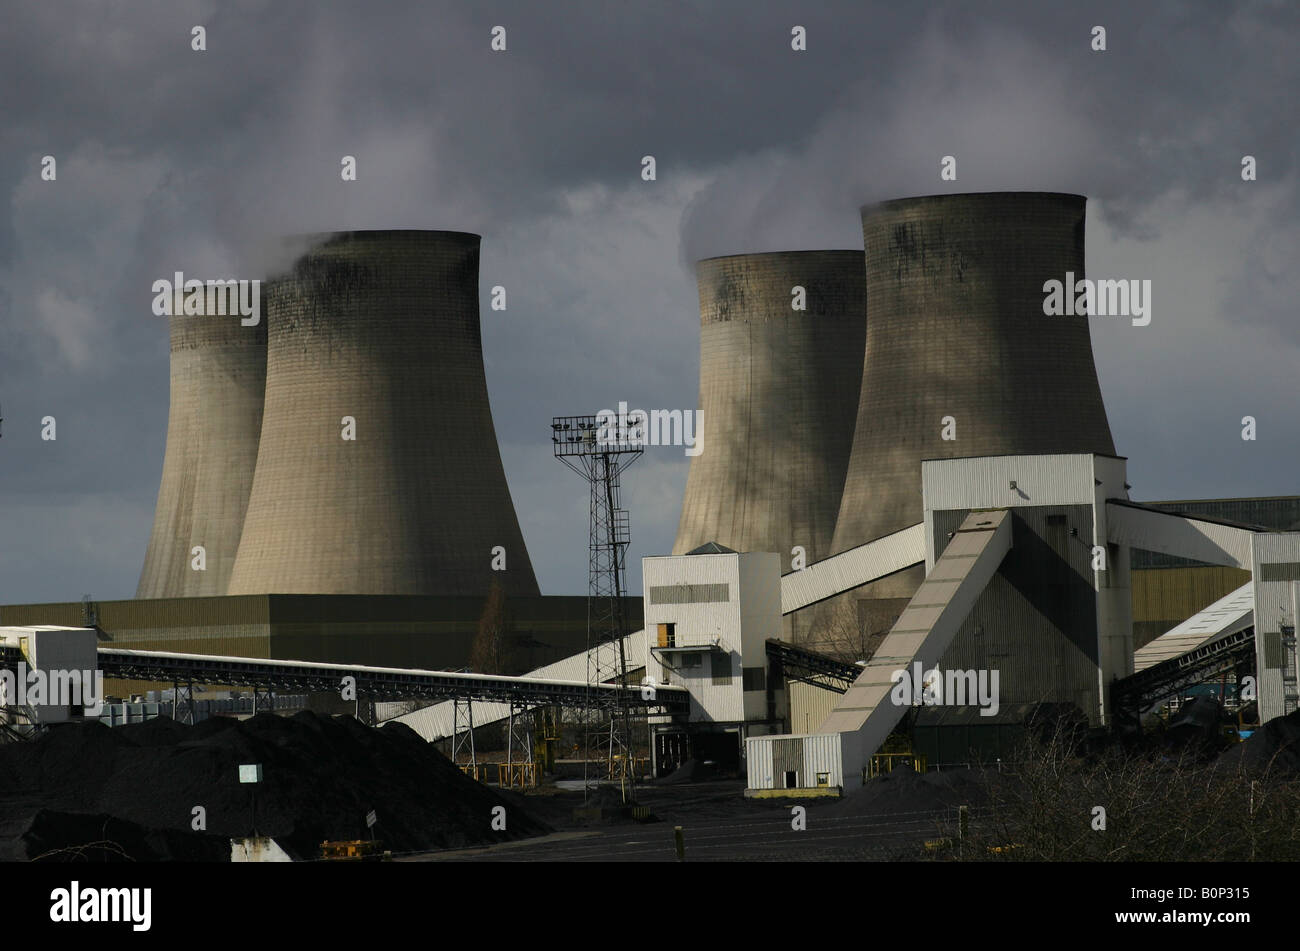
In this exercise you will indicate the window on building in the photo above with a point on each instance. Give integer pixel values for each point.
(668, 635)
(689, 593)
(690, 661)
(720, 669)
(1273, 655)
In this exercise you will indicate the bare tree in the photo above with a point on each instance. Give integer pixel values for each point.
(839, 631)
(490, 652)
(1062, 802)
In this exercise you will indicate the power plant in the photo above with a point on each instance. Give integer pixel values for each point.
(781, 344)
(907, 533)
(984, 525)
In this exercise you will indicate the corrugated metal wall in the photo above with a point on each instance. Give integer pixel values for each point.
(238, 626)
(400, 631)
(1165, 597)
(699, 623)
(1279, 513)
(1047, 480)
(955, 735)
(841, 572)
(809, 705)
(703, 624)
(1273, 608)
(768, 758)
(821, 754)
(1036, 621)
(758, 762)
(720, 702)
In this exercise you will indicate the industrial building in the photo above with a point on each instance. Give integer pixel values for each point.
(1027, 579)
(1042, 598)
(1168, 589)
(709, 616)
(984, 526)
(382, 630)
(332, 488)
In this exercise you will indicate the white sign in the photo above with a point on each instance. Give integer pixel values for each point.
(250, 774)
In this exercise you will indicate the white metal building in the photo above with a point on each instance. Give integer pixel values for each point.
(708, 617)
(64, 662)
(1275, 565)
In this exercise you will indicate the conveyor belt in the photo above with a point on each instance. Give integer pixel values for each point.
(926, 626)
(387, 683)
(1143, 690)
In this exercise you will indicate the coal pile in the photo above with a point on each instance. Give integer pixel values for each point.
(1197, 728)
(904, 793)
(321, 776)
(49, 836)
(1273, 747)
(691, 771)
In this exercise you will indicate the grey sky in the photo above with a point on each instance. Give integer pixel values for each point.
(170, 159)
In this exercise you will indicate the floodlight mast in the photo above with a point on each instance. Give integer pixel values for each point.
(599, 448)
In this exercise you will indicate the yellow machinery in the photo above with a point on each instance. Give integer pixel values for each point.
(355, 850)
(546, 736)
(883, 763)
(473, 770)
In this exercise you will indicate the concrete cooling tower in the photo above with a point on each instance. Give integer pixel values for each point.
(956, 329)
(778, 400)
(218, 373)
(378, 470)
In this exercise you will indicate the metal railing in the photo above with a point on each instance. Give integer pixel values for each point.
(883, 763)
(506, 775)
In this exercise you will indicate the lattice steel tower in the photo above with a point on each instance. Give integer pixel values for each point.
(599, 452)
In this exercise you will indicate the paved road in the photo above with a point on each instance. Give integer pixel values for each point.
(719, 825)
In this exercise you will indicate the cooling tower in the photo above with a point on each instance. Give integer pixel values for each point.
(218, 372)
(778, 400)
(408, 494)
(956, 329)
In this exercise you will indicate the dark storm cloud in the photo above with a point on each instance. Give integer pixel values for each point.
(175, 160)
(1022, 102)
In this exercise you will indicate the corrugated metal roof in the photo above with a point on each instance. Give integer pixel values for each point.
(1214, 541)
(712, 548)
(1226, 616)
(852, 568)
